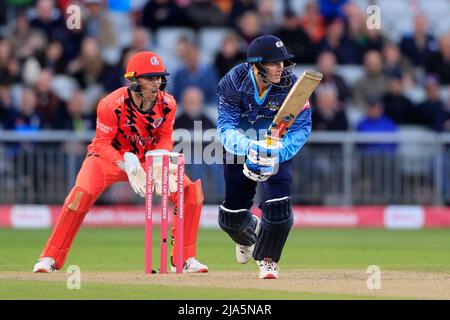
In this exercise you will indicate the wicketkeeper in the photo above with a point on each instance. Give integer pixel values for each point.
(131, 121)
(249, 97)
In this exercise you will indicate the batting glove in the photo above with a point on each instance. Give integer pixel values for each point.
(262, 161)
(260, 153)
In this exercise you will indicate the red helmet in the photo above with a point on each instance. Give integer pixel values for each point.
(145, 64)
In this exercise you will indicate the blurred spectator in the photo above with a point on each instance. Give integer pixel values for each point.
(32, 64)
(439, 62)
(48, 19)
(326, 64)
(163, 13)
(195, 73)
(90, 69)
(267, 16)
(27, 118)
(396, 106)
(421, 44)
(202, 13)
(346, 50)
(141, 39)
(355, 21)
(20, 37)
(249, 27)
(312, 22)
(238, 8)
(54, 58)
(141, 42)
(99, 24)
(48, 104)
(432, 112)
(72, 117)
(328, 113)
(373, 83)
(295, 39)
(9, 66)
(375, 177)
(229, 55)
(192, 110)
(331, 9)
(6, 105)
(192, 106)
(376, 121)
(394, 62)
(373, 39)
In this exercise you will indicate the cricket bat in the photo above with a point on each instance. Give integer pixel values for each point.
(292, 105)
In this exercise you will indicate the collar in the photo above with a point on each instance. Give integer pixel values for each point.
(259, 100)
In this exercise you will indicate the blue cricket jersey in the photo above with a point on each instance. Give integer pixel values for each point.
(243, 115)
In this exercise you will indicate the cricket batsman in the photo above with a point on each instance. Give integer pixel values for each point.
(131, 121)
(250, 95)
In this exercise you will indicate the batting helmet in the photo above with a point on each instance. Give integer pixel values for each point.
(270, 48)
(145, 64)
(267, 48)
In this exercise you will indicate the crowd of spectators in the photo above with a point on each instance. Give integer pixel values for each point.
(46, 68)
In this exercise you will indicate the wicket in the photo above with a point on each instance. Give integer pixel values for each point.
(165, 192)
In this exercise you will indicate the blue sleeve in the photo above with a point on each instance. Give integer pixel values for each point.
(229, 113)
(296, 136)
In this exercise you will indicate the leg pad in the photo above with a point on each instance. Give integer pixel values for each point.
(239, 224)
(276, 222)
(75, 208)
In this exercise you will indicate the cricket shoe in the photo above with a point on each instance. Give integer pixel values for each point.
(244, 253)
(192, 265)
(44, 265)
(268, 269)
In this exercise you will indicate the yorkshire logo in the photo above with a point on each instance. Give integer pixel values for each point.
(154, 61)
(279, 44)
(157, 122)
(273, 106)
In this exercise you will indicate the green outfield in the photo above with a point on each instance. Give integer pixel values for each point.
(316, 264)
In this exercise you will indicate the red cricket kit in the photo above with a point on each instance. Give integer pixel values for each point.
(122, 127)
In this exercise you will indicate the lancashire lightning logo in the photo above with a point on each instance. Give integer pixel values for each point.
(273, 106)
(157, 122)
(154, 61)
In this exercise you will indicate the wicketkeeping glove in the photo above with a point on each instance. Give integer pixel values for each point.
(136, 174)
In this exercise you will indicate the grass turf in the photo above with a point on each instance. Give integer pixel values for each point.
(122, 250)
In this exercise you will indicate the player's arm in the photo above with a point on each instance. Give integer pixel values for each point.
(229, 114)
(105, 132)
(297, 135)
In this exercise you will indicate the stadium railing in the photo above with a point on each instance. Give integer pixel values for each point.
(333, 168)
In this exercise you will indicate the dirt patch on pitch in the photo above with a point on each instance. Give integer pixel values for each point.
(394, 284)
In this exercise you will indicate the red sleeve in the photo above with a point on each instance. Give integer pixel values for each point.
(105, 132)
(164, 133)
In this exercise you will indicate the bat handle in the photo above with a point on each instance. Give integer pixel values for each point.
(273, 142)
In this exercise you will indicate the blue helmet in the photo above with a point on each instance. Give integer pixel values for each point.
(267, 48)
